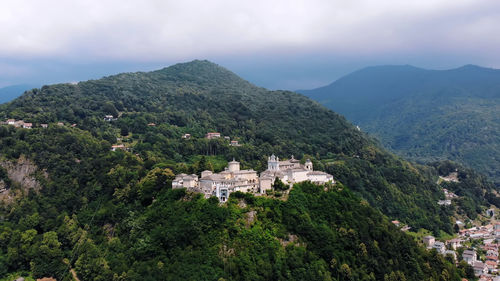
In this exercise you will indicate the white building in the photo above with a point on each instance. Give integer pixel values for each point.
(454, 243)
(228, 181)
(186, 181)
(480, 268)
(429, 241)
(213, 135)
(439, 246)
(234, 179)
(469, 256)
(291, 171)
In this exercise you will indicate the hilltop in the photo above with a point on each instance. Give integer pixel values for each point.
(424, 115)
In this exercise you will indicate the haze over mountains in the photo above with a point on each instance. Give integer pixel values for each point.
(424, 114)
(11, 92)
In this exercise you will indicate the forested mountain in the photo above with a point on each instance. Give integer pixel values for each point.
(11, 92)
(113, 215)
(425, 114)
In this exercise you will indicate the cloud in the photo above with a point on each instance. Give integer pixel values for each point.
(151, 30)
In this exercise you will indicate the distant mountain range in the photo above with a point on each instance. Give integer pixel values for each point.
(11, 92)
(424, 114)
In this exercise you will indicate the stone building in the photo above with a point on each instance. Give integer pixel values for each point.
(234, 179)
(292, 171)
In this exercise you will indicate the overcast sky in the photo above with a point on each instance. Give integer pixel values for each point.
(287, 44)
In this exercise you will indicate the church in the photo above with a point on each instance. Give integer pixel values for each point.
(234, 179)
(290, 172)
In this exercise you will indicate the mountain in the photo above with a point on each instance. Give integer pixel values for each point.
(423, 114)
(69, 202)
(11, 92)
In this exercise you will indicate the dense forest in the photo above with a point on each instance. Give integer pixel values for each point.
(112, 215)
(425, 115)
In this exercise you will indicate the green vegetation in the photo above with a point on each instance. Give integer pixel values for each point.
(113, 216)
(199, 97)
(425, 115)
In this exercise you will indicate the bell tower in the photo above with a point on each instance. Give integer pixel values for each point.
(273, 163)
(309, 164)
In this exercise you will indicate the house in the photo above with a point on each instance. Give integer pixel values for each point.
(492, 266)
(396, 223)
(116, 147)
(151, 124)
(27, 125)
(429, 241)
(186, 136)
(439, 246)
(292, 171)
(493, 253)
(108, 118)
(496, 229)
(228, 181)
(11, 121)
(444, 202)
(227, 138)
(60, 124)
(186, 181)
(454, 243)
(73, 125)
(469, 256)
(451, 253)
(234, 143)
(480, 268)
(19, 123)
(212, 136)
(490, 212)
(448, 194)
(492, 258)
(45, 126)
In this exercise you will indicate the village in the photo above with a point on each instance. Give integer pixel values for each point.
(478, 247)
(29, 125)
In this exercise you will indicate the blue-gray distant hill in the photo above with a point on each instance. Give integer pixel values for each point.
(11, 92)
(425, 114)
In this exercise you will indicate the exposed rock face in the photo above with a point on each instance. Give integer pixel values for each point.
(21, 173)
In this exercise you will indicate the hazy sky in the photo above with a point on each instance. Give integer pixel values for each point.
(277, 44)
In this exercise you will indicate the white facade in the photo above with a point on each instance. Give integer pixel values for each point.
(234, 179)
(186, 181)
(429, 241)
(439, 246)
(469, 256)
(291, 171)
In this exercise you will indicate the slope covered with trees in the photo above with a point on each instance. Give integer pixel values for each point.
(113, 216)
(425, 115)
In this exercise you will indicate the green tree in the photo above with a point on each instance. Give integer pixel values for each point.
(278, 185)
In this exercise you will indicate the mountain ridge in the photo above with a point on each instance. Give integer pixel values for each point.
(407, 108)
(9, 93)
(114, 216)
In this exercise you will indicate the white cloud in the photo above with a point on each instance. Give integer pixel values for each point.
(165, 29)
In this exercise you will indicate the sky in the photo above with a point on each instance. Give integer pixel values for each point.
(277, 44)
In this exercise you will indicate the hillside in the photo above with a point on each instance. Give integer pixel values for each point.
(422, 114)
(11, 92)
(113, 215)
